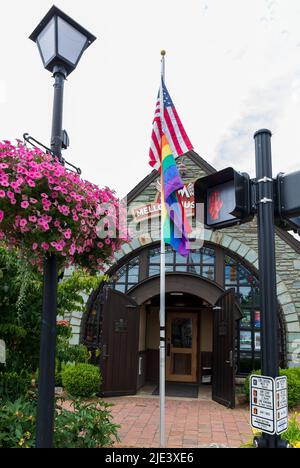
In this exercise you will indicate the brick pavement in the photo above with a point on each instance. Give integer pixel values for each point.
(189, 423)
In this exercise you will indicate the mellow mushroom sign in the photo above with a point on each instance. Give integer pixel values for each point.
(152, 210)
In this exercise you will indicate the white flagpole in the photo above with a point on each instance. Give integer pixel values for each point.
(162, 314)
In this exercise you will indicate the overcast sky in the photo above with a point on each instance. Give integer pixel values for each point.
(232, 67)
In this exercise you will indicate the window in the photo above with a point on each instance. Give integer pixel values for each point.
(247, 293)
(249, 330)
(127, 276)
(199, 262)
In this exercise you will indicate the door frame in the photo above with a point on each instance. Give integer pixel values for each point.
(194, 350)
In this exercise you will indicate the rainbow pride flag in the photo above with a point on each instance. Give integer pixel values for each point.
(175, 225)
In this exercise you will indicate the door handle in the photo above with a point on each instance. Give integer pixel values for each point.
(168, 349)
(230, 362)
(104, 352)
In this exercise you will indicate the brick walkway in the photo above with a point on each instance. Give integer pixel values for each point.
(189, 423)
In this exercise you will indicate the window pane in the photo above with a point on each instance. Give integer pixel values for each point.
(231, 274)
(245, 340)
(208, 272)
(154, 256)
(182, 268)
(195, 258)
(180, 258)
(257, 341)
(133, 271)
(245, 295)
(154, 270)
(246, 363)
(196, 270)
(245, 276)
(121, 275)
(121, 288)
(169, 257)
(246, 320)
(257, 319)
(181, 333)
(208, 257)
(257, 361)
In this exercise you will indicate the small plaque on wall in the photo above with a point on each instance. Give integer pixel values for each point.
(121, 326)
(223, 329)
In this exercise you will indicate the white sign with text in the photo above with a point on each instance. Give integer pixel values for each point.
(269, 404)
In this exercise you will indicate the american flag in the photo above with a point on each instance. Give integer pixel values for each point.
(171, 127)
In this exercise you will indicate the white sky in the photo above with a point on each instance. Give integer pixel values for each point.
(232, 67)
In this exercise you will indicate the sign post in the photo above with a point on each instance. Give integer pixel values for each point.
(267, 266)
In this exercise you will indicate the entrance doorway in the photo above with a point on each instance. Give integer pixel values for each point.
(181, 355)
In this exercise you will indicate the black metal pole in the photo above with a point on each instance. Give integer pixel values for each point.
(46, 385)
(267, 261)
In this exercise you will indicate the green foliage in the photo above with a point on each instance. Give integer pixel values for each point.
(85, 426)
(17, 424)
(13, 385)
(71, 291)
(293, 377)
(81, 380)
(77, 425)
(293, 433)
(21, 290)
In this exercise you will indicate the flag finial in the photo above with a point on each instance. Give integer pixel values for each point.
(163, 53)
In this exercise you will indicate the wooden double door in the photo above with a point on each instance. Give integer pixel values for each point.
(119, 343)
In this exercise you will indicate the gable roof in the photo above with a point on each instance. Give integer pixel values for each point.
(208, 169)
(200, 162)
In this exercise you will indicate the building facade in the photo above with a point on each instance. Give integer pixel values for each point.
(212, 301)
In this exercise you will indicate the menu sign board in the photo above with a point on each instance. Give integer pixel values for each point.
(269, 404)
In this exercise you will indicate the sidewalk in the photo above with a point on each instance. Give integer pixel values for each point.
(189, 423)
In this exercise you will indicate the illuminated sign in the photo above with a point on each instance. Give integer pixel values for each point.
(220, 203)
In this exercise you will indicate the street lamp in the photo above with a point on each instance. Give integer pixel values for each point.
(61, 42)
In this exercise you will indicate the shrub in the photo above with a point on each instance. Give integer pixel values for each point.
(13, 385)
(17, 424)
(81, 426)
(85, 426)
(292, 435)
(82, 380)
(293, 377)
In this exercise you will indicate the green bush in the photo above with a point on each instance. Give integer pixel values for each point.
(85, 426)
(293, 377)
(17, 424)
(80, 425)
(81, 380)
(13, 385)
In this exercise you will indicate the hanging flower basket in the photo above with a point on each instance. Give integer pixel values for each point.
(46, 209)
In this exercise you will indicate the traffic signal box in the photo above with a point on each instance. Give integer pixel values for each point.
(287, 201)
(227, 198)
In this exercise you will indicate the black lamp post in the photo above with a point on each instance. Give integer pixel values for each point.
(61, 42)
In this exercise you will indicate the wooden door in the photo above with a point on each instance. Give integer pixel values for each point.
(181, 359)
(223, 383)
(119, 344)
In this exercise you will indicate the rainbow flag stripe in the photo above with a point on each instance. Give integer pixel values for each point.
(175, 225)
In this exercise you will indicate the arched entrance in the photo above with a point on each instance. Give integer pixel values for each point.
(201, 319)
